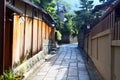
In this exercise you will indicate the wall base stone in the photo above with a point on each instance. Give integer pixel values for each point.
(31, 64)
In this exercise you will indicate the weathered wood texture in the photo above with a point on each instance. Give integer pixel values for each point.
(2, 25)
(34, 37)
(18, 39)
(108, 22)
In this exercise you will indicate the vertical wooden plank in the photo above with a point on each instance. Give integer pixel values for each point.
(53, 35)
(119, 30)
(18, 39)
(112, 28)
(47, 32)
(31, 52)
(39, 36)
(2, 33)
(8, 41)
(113, 18)
(109, 20)
(113, 25)
(43, 30)
(37, 33)
(115, 31)
(34, 36)
(15, 38)
(28, 35)
(25, 8)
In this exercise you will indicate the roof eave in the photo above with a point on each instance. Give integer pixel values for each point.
(13, 8)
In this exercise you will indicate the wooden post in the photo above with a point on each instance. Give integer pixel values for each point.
(2, 35)
(31, 52)
(25, 6)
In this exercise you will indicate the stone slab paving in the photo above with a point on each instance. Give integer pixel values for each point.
(67, 64)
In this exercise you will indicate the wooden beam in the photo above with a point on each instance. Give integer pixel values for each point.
(2, 28)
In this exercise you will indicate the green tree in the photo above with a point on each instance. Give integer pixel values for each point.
(48, 5)
(103, 1)
(67, 27)
(37, 1)
(84, 15)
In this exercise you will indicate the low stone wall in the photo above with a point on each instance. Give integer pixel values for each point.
(29, 66)
(69, 39)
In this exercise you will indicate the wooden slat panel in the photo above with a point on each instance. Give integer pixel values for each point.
(35, 24)
(28, 35)
(106, 23)
(39, 35)
(47, 32)
(119, 30)
(43, 30)
(8, 43)
(53, 35)
(50, 33)
(2, 25)
(18, 38)
(115, 31)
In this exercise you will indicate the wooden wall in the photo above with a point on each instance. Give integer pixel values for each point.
(18, 39)
(102, 44)
(21, 39)
(29, 36)
(2, 26)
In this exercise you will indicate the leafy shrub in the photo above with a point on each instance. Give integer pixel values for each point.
(58, 35)
(10, 75)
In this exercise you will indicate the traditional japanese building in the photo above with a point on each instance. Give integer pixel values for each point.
(28, 35)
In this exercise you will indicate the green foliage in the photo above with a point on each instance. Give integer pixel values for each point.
(86, 4)
(64, 28)
(1, 77)
(58, 35)
(10, 75)
(51, 8)
(48, 5)
(68, 25)
(37, 1)
(84, 15)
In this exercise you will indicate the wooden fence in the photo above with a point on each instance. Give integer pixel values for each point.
(108, 23)
(116, 31)
(29, 36)
(102, 45)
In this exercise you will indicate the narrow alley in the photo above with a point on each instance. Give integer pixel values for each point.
(66, 64)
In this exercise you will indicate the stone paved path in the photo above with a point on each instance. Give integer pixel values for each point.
(67, 64)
